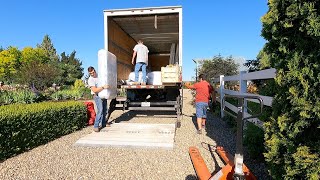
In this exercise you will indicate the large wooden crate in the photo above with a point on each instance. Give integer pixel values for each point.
(171, 74)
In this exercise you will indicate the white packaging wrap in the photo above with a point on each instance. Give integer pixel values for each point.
(132, 76)
(107, 74)
(154, 78)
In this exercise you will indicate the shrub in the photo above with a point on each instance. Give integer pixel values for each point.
(24, 96)
(78, 84)
(74, 94)
(231, 121)
(254, 140)
(24, 127)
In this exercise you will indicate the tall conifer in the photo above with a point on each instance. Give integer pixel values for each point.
(292, 31)
(47, 45)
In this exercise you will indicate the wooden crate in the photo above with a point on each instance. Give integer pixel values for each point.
(170, 74)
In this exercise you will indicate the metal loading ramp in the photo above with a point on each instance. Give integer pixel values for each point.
(131, 135)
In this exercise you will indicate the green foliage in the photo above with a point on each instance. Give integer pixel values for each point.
(24, 96)
(70, 68)
(38, 75)
(254, 141)
(253, 135)
(76, 94)
(9, 63)
(30, 55)
(39, 67)
(231, 121)
(266, 87)
(216, 109)
(24, 127)
(292, 31)
(79, 84)
(262, 62)
(217, 66)
(49, 49)
(305, 161)
(255, 108)
(122, 92)
(252, 65)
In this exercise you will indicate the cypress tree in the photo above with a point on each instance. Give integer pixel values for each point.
(292, 137)
(47, 45)
(70, 67)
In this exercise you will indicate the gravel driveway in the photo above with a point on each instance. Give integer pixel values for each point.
(59, 159)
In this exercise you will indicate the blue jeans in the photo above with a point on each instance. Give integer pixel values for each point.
(143, 67)
(201, 109)
(101, 112)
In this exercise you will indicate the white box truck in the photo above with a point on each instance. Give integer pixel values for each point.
(160, 29)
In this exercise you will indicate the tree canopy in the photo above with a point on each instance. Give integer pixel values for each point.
(70, 68)
(217, 66)
(292, 31)
(40, 66)
(49, 49)
(9, 63)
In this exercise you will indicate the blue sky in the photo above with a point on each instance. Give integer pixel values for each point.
(210, 27)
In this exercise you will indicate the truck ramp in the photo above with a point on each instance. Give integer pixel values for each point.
(132, 135)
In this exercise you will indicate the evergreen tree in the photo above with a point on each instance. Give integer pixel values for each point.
(49, 48)
(70, 68)
(292, 31)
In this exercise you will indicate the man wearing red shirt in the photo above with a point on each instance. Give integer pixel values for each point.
(203, 92)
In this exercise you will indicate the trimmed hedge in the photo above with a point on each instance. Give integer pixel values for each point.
(25, 126)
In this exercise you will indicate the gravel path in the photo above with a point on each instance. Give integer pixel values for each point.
(59, 159)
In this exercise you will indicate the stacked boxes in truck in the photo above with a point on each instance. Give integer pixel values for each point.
(160, 29)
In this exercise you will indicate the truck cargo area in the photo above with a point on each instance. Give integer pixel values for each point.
(160, 29)
(157, 28)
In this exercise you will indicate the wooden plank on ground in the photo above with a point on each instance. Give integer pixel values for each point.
(131, 135)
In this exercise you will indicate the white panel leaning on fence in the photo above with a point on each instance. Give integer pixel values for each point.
(243, 77)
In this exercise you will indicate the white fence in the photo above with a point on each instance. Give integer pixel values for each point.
(243, 77)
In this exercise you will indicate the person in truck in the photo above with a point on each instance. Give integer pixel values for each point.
(101, 104)
(141, 51)
(203, 92)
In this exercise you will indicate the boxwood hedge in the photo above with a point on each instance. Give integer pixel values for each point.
(25, 126)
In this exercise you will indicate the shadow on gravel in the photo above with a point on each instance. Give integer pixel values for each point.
(224, 136)
(194, 120)
(218, 131)
(191, 177)
(211, 149)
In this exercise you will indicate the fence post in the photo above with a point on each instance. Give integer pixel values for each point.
(243, 88)
(221, 94)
